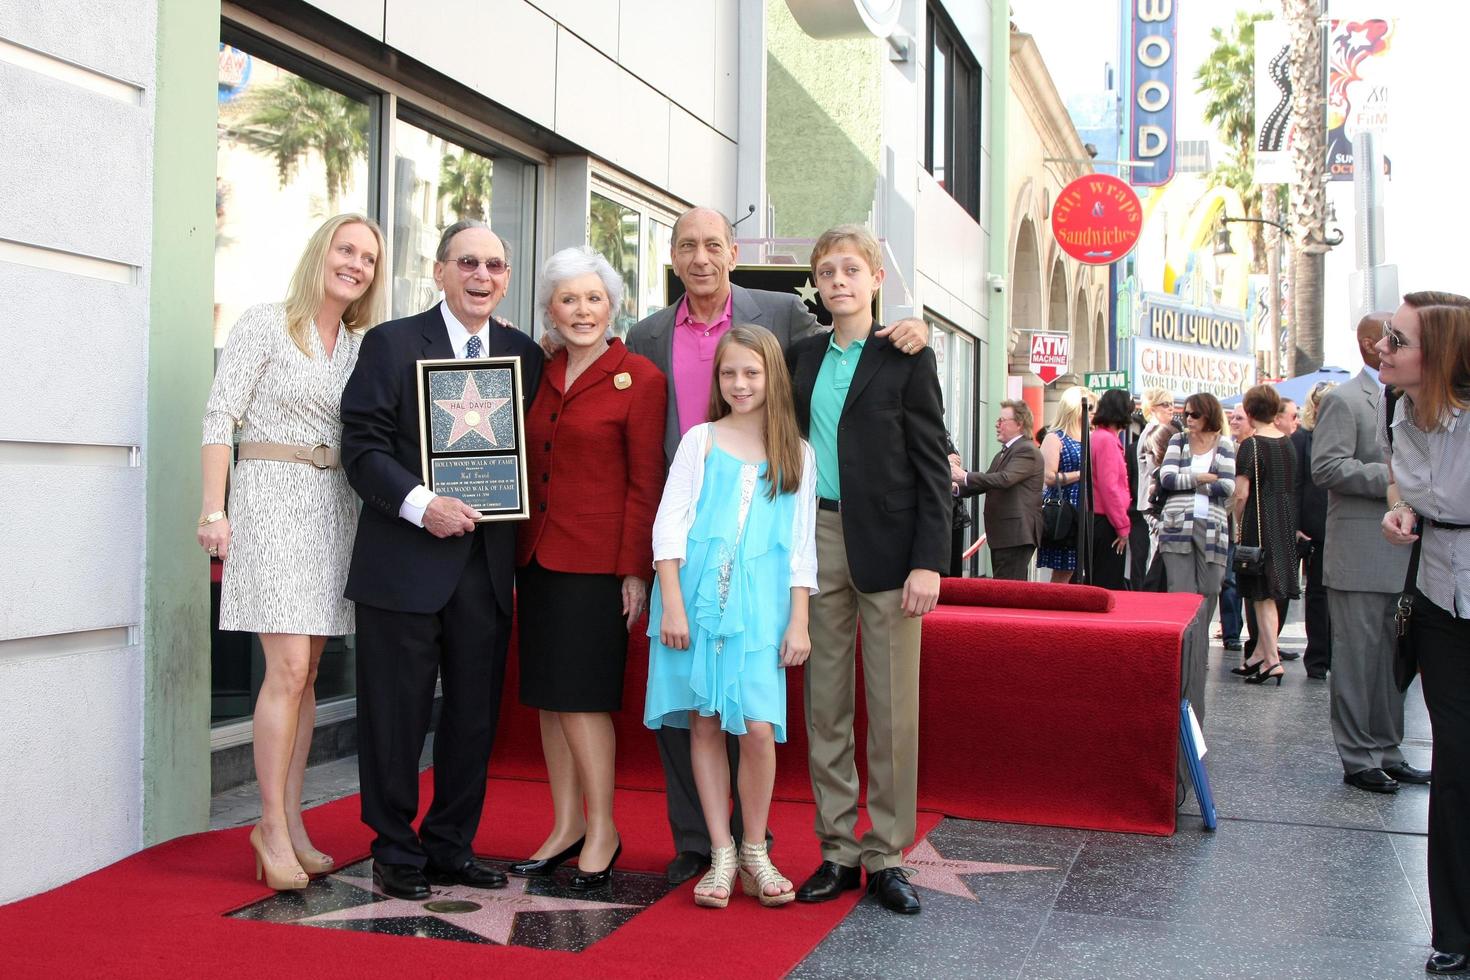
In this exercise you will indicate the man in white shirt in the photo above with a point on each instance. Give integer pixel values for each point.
(432, 586)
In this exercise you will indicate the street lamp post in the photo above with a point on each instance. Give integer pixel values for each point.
(1222, 247)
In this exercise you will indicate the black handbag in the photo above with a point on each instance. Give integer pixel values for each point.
(1405, 657)
(1058, 522)
(1250, 559)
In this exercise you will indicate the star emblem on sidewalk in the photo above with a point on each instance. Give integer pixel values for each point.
(471, 412)
(937, 873)
(490, 914)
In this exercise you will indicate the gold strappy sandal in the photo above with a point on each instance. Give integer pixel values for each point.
(757, 871)
(721, 874)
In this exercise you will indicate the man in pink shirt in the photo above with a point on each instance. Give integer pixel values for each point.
(681, 341)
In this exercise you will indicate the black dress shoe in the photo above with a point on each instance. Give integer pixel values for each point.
(892, 887)
(472, 874)
(828, 881)
(543, 867)
(1291, 655)
(587, 881)
(1373, 780)
(685, 865)
(1443, 963)
(1317, 675)
(1406, 773)
(1233, 645)
(401, 880)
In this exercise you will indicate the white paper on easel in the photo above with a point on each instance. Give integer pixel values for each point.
(1199, 735)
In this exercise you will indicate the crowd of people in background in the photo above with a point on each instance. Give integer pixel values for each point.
(782, 485)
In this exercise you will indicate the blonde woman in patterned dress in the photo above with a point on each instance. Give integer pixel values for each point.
(287, 538)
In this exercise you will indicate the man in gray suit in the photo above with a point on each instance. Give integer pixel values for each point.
(681, 340)
(1012, 488)
(1363, 574)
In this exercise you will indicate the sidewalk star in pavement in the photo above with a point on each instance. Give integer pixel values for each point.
(933, 871)
(490, 914)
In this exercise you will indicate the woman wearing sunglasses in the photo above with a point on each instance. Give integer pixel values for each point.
(1198, 478)
(1265, 516)
(1425, 354)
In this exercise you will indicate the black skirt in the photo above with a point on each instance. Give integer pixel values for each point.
(573, 639)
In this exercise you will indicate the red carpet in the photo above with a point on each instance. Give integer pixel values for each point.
(160, 913)
(1063, 714)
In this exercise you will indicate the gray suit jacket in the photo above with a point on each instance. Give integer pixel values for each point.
(1012, 488)
(784, 314)
(1347, 463)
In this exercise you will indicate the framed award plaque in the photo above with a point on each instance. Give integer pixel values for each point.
(472, 434)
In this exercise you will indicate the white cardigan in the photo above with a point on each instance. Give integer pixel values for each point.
(681, 493)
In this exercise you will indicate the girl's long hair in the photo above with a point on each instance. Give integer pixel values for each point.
(783, 439)
(309, 284)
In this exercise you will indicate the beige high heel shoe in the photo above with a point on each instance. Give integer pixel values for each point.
(721, 874)
(314, 862)
(281, 879)
(757, 871)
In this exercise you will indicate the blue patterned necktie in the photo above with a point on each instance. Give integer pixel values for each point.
(472, 348)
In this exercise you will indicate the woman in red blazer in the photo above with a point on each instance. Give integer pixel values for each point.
(595, 461)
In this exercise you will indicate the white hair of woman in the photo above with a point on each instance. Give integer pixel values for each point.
(572, 263)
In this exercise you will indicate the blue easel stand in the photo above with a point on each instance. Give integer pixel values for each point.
(1197, 774)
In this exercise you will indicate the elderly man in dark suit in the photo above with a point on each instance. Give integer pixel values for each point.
(1364, 575)
(1012, 488)
(432, 586)
(681, 341)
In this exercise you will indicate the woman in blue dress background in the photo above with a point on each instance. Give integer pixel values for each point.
(1061, 454)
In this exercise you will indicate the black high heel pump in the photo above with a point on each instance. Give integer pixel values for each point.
(543, 867)
(1262, 677)
(586, 882)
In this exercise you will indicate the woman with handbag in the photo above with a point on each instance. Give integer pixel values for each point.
(1197, 479)
(1108, 480)
(1265, 516)
(1425, 354)
(1061, 454)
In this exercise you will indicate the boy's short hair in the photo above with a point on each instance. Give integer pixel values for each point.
(860, 238)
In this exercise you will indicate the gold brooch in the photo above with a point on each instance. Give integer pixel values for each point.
(622, 381)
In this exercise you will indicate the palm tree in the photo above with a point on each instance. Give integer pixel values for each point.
(464, 178)
(1308, 195)
(1227, 78)
(294, 117)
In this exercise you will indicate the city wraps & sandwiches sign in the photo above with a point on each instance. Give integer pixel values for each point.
(1189, 349)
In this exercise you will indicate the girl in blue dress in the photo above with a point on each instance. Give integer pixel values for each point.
(734, 545)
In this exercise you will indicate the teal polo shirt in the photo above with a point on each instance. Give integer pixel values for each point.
(828, 397)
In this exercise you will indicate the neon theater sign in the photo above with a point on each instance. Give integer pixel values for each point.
(1154, 78)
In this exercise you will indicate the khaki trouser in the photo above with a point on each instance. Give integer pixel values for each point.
(891, 689)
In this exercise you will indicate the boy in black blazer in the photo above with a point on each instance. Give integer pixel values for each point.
(875, 420)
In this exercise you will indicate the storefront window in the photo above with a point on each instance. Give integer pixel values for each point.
(954, 354)
(614, 231)
(635, 239)
(291, 153)
(438, 182)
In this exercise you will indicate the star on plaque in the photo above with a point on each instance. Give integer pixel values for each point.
(939, 874)
(472, 412)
